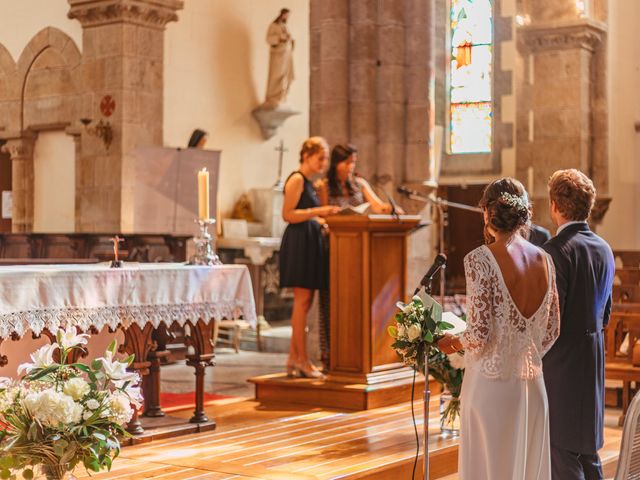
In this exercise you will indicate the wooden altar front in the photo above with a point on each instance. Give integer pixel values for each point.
(368, 262)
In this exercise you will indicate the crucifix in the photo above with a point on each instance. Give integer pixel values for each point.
(116, 263)
(279, 185)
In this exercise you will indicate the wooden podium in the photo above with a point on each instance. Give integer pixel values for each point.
(368, 276)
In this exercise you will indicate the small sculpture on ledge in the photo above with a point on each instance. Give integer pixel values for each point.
(116, 262)
(274, 111)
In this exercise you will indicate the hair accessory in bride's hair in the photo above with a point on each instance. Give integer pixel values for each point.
(514, 201)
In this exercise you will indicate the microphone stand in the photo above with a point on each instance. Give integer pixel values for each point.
(441, 206)
(426, 397)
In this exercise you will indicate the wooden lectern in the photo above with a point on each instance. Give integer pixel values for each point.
(368, 276)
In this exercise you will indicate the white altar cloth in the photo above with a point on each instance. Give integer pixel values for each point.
(46, 296)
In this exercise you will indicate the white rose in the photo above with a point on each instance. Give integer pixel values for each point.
(76, 388)
(414, 332)
(120, 406)
(456, 360)
(93, 404)
(402, 331)
(87, 415)
(7, 397)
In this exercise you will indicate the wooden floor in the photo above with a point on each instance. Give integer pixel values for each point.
(290, 442)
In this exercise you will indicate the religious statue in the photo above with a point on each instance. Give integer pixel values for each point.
(280, 61)
(274, 111)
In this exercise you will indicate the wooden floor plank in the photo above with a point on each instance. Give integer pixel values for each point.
(286, 442)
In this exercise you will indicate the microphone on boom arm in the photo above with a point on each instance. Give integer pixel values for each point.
(439, 262)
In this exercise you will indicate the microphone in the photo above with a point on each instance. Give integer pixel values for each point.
(439, 262)
(394, 206)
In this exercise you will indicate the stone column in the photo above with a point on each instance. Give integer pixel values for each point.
(22, 174)
(330, 69)
(123, 51)
(561, 106)
(372, 83)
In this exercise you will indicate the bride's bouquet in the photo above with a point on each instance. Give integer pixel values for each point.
(61, 414)
(418, 327)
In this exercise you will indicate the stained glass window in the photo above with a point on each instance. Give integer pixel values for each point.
(470, 76)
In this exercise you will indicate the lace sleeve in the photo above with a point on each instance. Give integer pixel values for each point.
(479, 292)
(553, 323)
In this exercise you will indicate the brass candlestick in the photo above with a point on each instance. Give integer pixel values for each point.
(205, 249)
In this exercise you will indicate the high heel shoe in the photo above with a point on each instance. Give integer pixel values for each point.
(308, 370)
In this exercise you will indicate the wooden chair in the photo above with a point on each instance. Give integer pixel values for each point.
(629, 460)
(229, 332)
(623, 366)
(626, 294)
(627, 258)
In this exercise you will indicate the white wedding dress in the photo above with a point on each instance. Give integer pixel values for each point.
(504, 432)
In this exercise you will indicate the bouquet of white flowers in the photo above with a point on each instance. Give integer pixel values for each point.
(418, 327)
(59, 415)
(416, 332)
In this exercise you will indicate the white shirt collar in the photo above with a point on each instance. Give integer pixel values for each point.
(562, 227)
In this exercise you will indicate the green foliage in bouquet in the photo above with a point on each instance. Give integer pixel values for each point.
(418, 327)
(448, 371)
(59, 415)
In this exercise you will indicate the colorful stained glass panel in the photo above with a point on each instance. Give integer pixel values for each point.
(471, 22)
(470, 127)
(471, 82)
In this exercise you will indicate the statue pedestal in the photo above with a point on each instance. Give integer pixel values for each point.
(270, 119)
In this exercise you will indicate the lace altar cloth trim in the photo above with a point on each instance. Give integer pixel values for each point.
(96, 296)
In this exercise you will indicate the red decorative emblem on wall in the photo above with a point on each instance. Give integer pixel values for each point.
(107, 105)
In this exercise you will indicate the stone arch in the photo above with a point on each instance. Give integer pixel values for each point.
(9, 91)
(48, 72)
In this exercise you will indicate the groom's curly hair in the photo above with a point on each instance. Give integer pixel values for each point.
(573, 193)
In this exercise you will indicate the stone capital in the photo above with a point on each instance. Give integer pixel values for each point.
(149, 13)
(20, 148)
(587, 35)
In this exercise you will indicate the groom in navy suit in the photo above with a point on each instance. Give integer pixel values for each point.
(574, 367)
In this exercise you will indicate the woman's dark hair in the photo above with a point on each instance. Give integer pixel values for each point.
(195, 138)
(282, 13)
(339, 154)
(507, 204)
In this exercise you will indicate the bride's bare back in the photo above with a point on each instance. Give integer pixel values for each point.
(524, 270)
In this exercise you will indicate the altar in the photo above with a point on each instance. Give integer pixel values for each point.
(140, 300)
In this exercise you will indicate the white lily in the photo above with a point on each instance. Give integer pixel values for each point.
(116, 370)
(135, 395)
(70, 338)
(41, 358)
(5, 382)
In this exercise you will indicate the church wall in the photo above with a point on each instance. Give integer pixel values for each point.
(216, 64)
(621, 225)
(21, 20)
(54, 166)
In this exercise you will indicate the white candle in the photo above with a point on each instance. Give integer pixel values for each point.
(530, 181)
(203, 194)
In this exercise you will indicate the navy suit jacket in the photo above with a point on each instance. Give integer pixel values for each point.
(574, 366)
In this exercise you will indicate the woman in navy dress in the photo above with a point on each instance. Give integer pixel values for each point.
(304, 264)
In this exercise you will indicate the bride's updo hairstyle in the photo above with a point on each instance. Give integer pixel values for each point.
(507, 205)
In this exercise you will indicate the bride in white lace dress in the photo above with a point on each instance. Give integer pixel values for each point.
(513, 319)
